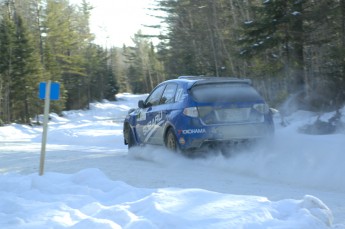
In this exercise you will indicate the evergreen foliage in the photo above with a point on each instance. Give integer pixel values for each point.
(287, 47)
(55, 44)
(145, 71)
(26, 74)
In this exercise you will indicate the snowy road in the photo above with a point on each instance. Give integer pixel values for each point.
(294, 166)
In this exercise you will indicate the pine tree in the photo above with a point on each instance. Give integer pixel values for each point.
(278, 29)
(145, 70)
(66, 36)
(7, 33)
(20, 68)
(334, 59)
(26, 74)
(118, 69)
(201, 37)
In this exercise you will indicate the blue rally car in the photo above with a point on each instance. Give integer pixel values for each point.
(193, 113)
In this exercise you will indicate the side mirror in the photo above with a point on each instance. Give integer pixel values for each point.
(141, 104)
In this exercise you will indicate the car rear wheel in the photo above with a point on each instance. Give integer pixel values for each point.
(170, 140)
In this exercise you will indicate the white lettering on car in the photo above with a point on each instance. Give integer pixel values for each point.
(194, 131)
(151, 124)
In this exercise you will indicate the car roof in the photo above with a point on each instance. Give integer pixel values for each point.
(191, 81)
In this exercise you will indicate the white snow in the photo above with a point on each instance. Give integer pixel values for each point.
(248, 22)
(296, 13)
(92, 181)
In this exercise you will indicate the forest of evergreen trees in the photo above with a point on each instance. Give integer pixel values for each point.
(287, 47)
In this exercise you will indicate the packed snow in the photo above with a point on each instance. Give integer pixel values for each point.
(91, 180)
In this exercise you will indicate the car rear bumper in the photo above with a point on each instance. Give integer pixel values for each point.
(220, 135)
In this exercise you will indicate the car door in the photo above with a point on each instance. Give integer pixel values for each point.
(149, 118)
(162, 113)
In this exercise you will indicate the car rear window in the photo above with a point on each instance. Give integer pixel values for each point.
(224, 92)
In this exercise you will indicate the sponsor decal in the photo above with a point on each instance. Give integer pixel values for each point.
(152, 125)
(192, 131)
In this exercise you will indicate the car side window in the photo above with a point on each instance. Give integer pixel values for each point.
(169, 94)
(155, 96)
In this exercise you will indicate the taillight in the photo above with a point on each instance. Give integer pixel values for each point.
(191, 112)
(262, 108)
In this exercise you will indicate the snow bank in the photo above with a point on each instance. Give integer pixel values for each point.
(88, 199)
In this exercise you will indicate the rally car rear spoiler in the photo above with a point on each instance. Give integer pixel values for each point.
(210, 79)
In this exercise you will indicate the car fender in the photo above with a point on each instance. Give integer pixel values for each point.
(130, 121)
(167, 126)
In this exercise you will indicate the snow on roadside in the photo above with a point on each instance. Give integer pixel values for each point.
(88, 199)
(16, 133)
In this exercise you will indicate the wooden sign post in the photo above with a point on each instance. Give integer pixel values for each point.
(47, 91)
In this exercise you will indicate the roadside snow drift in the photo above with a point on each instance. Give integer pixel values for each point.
(88, 199)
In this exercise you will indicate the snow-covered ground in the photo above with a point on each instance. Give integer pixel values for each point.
(92, 181)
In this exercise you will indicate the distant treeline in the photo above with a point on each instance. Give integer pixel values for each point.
(287, 47)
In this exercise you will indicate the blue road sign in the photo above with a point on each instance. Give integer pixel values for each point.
(54, 91)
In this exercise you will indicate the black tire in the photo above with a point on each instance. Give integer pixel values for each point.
(170, 141)
(131, 141)
(129, 137)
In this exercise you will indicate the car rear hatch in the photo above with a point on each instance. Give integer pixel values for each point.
(227, 102)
